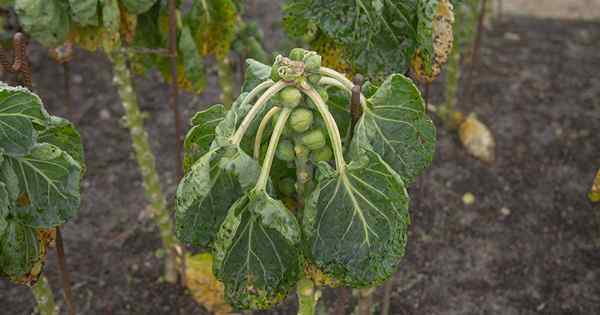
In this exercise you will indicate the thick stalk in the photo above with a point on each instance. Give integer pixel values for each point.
(262, 100)
(263, 178)
(225, 81)
(332, 128)
(44, 297)
(365, 301)
(387, 296)
(307, 297)
(64, 273)
(261, 130)
(146, 163)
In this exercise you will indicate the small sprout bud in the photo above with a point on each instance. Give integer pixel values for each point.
(297, 54)
(301, 119)
(290, 97)
(285, 151)
(314, 139)
(322, 154)
(301, 151)
(312, 63)
(287, 186)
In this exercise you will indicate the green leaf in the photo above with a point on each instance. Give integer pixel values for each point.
(378, 37)
(62, 133)
(192, 62)
(19, 111)
(256, 73)
(45, 184)
(339, 106)
(201, 135)
(84, 12)
(20, 250)
(395, 125)
(355, 222)
(4, 208)
(213, 25)
(256, 254)
(212, 185)
(46, 21)
(136, 7)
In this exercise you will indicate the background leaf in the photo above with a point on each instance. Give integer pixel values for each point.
(47, 21)
(138, 6)
(84, 12)
(213, 25)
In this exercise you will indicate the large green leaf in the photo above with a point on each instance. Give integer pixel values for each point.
(201, 135)
(256, 254)
(395, 125)
(212, 185)
(84, 12)
(44, 186)
(46, 21)
(378, 37)
(19, 111)
(138, 6)
(355, 221)
(20, 250)
(62, 133)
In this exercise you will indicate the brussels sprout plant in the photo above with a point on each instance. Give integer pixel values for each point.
(283, 194)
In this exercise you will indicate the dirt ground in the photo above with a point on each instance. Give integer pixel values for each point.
(530, 244)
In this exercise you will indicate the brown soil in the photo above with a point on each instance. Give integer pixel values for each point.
(529, 244)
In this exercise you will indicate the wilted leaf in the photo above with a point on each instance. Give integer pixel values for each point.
(111, 20)
(477, 139)
(396, 126)
(192, 62)
(256, 253)
(356, 221)
(205, 288)
(213, 25)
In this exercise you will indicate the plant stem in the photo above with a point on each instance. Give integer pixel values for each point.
(261, 183)
(307, 297)
(365, 301)
(387, 295)
(146, 163)
(337, 79)
(262, 100)
(65, 275)
(225, 81)
(332, 128)
(261, 130)
(338, 76)
(44, 297)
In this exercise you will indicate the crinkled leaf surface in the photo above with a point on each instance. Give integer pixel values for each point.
(201, 135)
(396, 126)
(138, 6)
(84, 12)
(355, 222)
(44, 186)
(212, 185)
(20, 250)
(19, 110)
(62, 133)
(47, 21)
(256, 254)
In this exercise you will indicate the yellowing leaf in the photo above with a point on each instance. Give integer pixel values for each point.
(206, 289)
(594, 194)
(477, 139)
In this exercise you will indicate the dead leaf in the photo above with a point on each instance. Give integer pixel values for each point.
(594, 194)
(205, 288)
(477, 139)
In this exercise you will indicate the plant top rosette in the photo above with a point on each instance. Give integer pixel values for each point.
(279, 189)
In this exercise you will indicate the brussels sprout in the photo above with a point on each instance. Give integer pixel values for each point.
(290, 97)
(314, 139)
(285, 151)
(312, 63)
(287, 186)
(314, 78)
(301, 119)
(297, 54)
(322, 154)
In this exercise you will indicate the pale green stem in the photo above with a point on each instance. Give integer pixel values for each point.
(261, 130)
(333, 82)
(44, 297)
(225, 81)
(336, 75)
(261, 184)
(307, 297)
(339, 80)
(146, 163)
(332, 128)
(262, 100)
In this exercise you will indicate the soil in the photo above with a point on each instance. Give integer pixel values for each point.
(529, 244)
